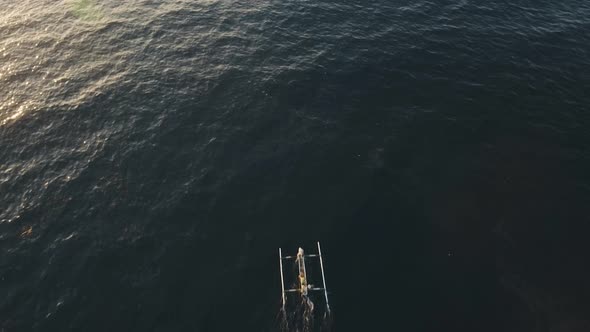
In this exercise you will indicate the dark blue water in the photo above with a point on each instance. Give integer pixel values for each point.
(155, 154)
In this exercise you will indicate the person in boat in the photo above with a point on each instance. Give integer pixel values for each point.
(303, 283)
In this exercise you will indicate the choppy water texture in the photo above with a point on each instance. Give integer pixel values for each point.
(154, 154)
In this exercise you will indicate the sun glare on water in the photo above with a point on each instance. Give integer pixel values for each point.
(39, 52)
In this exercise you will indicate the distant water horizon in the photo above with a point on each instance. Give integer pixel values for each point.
(155, 154)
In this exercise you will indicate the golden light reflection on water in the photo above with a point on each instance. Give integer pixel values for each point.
(56, 55)
(19, 94)
(40, 51)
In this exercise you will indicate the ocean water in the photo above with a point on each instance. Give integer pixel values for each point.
(155, 154)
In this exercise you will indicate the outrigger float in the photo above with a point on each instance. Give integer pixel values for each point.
(303, 286)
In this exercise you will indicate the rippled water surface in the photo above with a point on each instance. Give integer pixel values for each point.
(154, 154)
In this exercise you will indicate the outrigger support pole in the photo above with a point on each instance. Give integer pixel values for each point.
(282, 279)
(323, 278)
